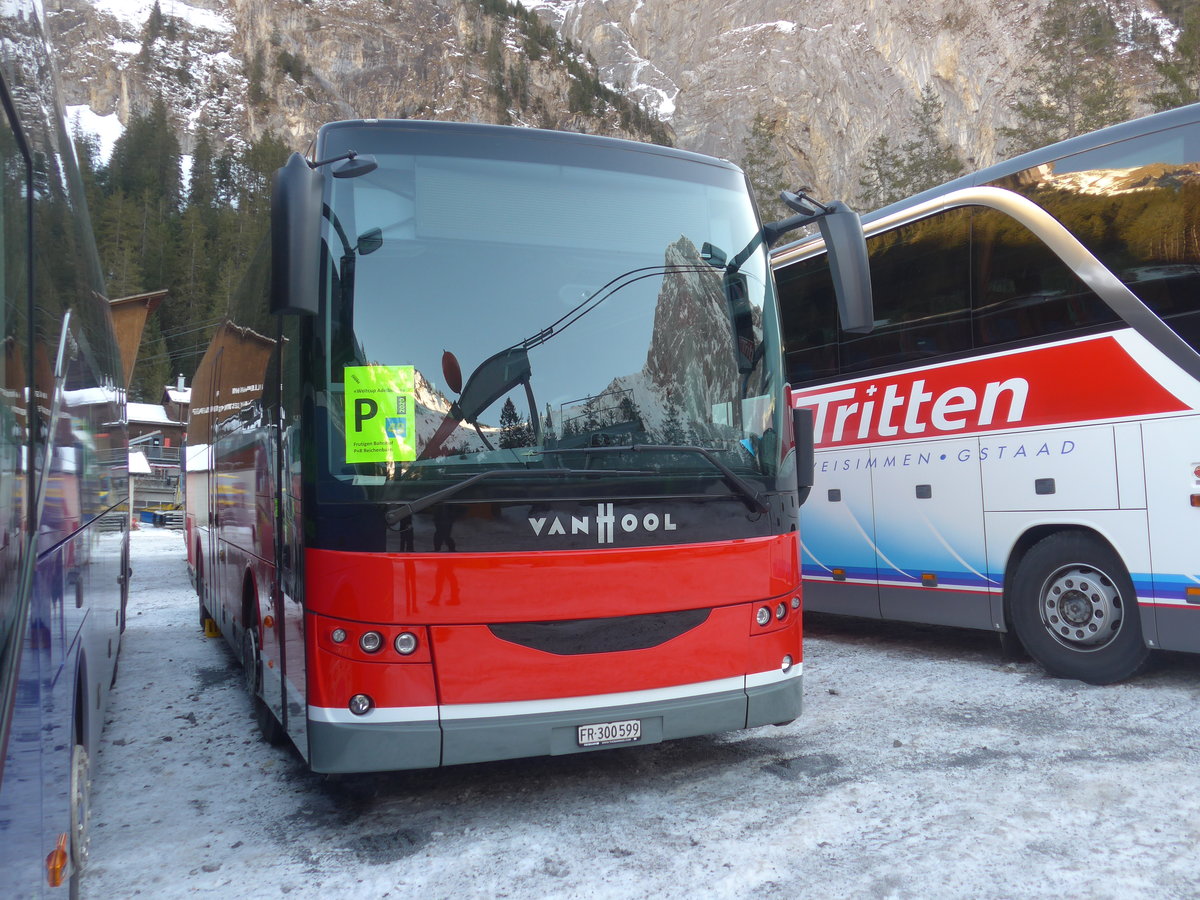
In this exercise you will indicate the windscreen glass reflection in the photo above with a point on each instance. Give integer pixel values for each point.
(504, 314)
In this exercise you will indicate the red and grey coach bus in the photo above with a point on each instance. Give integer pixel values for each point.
(1016, 445)
(516, 475)
(64, 522)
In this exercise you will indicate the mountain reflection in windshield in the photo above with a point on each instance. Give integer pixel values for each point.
(684, 392)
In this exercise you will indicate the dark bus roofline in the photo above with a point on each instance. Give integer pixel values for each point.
(1171, 118)
(502, 131)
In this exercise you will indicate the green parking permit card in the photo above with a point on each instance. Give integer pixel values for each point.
(381, 423)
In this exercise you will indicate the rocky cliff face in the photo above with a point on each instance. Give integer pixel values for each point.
(240, 67)
(834, 74)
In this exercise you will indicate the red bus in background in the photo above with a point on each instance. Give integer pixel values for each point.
(514, 474)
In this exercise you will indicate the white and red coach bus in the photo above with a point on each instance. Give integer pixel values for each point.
(588, 540)
(1016, 445)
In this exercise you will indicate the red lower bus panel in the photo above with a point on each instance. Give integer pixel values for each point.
(715, 649)
(333, 680)
(476, 588)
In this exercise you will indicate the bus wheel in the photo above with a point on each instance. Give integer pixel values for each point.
(271, 730)
(81, 813)
(1074, 608)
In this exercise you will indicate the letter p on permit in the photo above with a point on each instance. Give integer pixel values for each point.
(364, 409)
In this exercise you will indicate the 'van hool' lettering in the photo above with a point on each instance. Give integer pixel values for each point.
(992, 453)
(606, 523)
(916, 412)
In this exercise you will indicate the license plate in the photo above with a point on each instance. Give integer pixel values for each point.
(610, 733)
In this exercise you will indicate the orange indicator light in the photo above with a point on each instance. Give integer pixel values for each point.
(56, 862)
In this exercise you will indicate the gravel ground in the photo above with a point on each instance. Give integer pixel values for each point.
(926, 765)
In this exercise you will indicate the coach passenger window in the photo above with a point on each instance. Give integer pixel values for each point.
(14, 281)
(810, 327)
(921, 280)
(1023, 290)
(1133, 204)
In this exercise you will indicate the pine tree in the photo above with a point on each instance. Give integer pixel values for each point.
(117, 242)
(1179, 67)
(673, 431)
(628, 411)
(882, 178)
(514, 431)
(926, 160)
(202, 188)
(932, 159)
(151, 32)
(764, 165)
(1073, 86)
(153, 367)
(145, 158)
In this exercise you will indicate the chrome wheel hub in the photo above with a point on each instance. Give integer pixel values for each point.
(1081, 607)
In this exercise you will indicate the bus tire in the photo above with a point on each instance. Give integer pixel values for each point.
(80, 801)
(1074, 608)
(268, 725)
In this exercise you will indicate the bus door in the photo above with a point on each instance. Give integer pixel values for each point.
(929, 533)
(837, 535)
(290, 536)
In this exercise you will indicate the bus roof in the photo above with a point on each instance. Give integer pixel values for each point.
(566, 138)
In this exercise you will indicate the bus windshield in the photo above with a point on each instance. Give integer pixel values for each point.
(565, 318)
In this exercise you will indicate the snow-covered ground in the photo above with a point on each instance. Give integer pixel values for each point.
(925, 766)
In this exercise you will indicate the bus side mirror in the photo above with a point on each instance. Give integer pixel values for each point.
(849, 267)
(295, 237)
(803, 432)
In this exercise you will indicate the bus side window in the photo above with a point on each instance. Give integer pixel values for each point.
(14, 324)
(809, 309)
(921, 280)
(1134, 204)
(1022, 289)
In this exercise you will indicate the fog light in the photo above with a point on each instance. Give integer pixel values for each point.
(361, 704)
(339, 635)
(795, 603)
(781, 611)
(763, 616)
(406, 643)
(786, 665)
(371, 641)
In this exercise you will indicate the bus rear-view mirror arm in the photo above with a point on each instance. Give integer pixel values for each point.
(842, 232)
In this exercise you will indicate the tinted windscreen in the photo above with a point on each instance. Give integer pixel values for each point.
(498, 301)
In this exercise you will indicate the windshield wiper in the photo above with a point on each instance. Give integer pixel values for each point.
(739, 484)
(398, 512)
